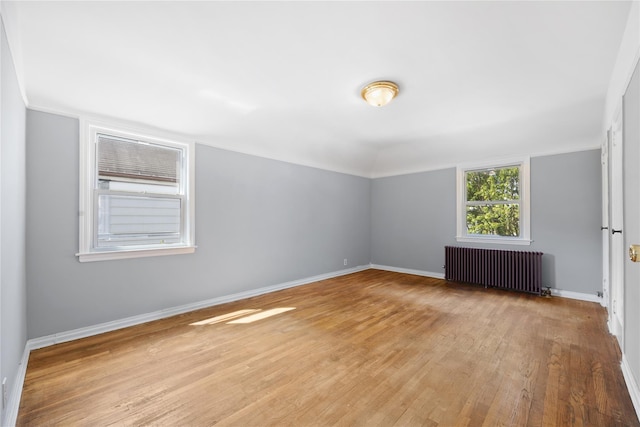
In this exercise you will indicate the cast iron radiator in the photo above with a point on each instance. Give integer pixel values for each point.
(516, 270)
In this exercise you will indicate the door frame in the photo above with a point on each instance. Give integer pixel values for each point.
(606, 275)
(616, 221)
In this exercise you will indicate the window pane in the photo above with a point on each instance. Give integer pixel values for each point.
(132, 161)
(496, 220)
(138, 220)
(499, 184)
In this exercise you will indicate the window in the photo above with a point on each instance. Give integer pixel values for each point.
(136, 195)
(493, 203)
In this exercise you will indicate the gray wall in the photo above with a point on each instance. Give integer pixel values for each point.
(566, 215)
(13, 320)
(259, 222)
(414, 217)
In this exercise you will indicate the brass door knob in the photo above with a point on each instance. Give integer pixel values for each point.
(633, 252)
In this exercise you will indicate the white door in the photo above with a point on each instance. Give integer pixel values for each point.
(616, 240)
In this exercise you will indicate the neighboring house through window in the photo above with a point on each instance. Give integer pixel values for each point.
(136, 195)
(493, 202)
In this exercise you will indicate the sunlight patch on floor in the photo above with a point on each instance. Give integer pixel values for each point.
(224, 317)
(243, 316)
(262, 315)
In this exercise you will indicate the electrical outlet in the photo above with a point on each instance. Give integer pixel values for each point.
(4, 393)
(345, 261)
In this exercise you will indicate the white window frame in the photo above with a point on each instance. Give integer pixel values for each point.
(89, 129)
(461, 205)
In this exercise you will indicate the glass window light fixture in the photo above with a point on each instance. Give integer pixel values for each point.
(379, 93)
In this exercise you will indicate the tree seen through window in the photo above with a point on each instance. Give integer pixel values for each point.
(493, 201)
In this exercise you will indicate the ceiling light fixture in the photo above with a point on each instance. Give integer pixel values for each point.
(379, 93)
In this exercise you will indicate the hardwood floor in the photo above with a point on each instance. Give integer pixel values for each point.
(371, 348)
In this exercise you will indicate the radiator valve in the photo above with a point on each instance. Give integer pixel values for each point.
(546, 292)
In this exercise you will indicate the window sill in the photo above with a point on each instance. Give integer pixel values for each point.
(495, 240)
(134, 253)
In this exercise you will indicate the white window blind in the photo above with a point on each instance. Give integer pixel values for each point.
(133, 161)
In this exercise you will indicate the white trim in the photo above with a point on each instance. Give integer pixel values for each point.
(545, 153)
(615, 328)
(85, 212)
(77, 114)
(497, 240)
(89, 128)
(498, 162)
(556, 292)
(632, 384)
(14, 401)
(202, 140)
(523, 163)
(72, 114)
(407, 271)
(10, 24)
(172, 311)
(623, 83)
(576, 295)
(161, 314)
(127, 126)
(13, 405)
(609, 326)
(2, 36)
(137, 253)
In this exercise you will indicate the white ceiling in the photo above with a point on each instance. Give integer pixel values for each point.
(282, 80)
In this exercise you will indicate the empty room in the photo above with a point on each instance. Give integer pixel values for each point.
(389, 213)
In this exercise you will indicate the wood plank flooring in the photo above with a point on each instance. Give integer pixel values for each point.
(372, 348)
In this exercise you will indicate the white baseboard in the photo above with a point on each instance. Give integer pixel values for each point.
(408, 271)
(33, 344)
(576, 295)
(161, 314)
(556, 292)
(632, 384)
(615, 327)
(13, 404)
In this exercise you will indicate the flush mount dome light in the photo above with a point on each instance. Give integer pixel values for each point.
(379, 93)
